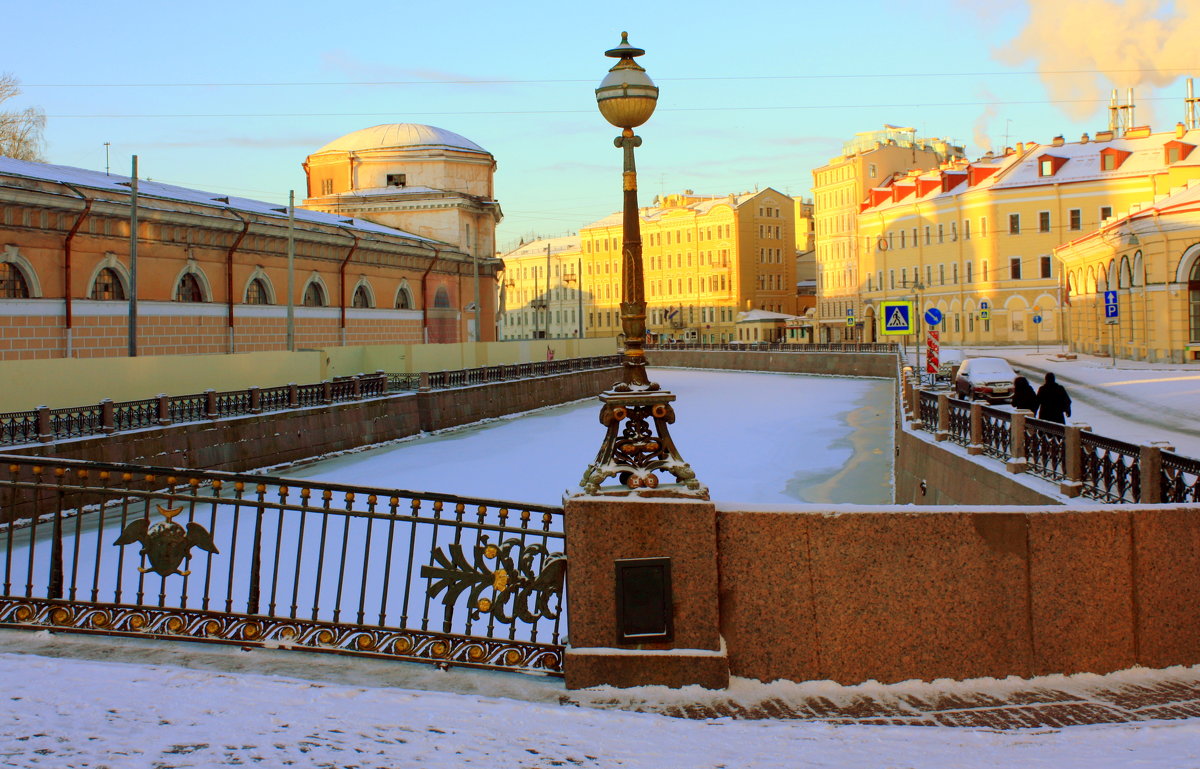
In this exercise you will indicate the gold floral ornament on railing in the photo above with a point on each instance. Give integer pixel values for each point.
(166, 544)
(512, 579)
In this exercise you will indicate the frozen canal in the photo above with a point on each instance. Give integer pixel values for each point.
(751, 437)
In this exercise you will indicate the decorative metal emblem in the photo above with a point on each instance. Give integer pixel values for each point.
(166, 543)
(635, 452)
(512, 579)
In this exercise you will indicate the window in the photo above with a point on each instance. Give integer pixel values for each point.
(397, 180)
(1014, 224)
(966, 229)
(927, 234)
(314, 295)
(1076, 219)
(1045, 264)
(1043, 221)
(902, 244)
(985, 271)
(188, 289)
(941, 274)
(872, 172)
(941, 234)
(954, 279)
(1014, 268)
(968, 272)
(108, 286)
(256, 292)
(12, 283)
(1108, 161)
(327, 186)
(1047, 168)
(891, 278)
(1194, 302)
(1172, 154)
(1105, 212)
(362, 297)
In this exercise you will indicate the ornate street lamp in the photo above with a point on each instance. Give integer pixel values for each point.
(636, 411)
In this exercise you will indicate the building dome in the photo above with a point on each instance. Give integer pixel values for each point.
(399, 135)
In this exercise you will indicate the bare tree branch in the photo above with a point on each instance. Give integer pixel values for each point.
(20, 130)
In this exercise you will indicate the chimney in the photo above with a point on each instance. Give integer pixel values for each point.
(1180, 130)
(1020, 147)
(1190, 102)
(1059, 141)
(1084, 139)
(1129, 121)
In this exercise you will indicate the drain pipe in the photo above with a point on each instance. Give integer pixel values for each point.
(425, 296)
(229, 275)
(69, 311)
(342, 283)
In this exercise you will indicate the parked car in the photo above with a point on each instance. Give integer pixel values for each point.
(948, 359)
(986, 378)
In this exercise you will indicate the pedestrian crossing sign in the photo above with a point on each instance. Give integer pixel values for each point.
(896, 318)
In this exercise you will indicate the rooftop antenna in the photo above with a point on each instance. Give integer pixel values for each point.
(109, 144)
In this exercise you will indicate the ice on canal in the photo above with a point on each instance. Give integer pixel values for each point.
(751, 437)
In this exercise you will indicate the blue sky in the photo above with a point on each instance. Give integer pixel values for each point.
(230, 97)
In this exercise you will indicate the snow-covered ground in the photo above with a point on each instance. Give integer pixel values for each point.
(193, 706)
(766, 438)
(1128, 400)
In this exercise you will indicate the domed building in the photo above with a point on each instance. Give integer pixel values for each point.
(413, 177)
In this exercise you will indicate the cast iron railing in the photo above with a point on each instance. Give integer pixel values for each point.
(995, 434)
(1180, 478)
(1045, 449)
(778, 346)
(233, 558)
(55, 424)
(1111, 469)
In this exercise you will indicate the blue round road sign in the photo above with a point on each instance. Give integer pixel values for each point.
(933, 316)
(1037, 318)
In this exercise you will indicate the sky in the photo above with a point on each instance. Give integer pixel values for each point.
(231, 97)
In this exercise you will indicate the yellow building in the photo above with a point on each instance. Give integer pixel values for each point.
(976, 240)
(705, 259)
(1149, 258)
(539, 290)
(838, 189)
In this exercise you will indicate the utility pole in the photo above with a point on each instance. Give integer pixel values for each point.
(133, 243)
(475, 263)
(291, 272)
(548, 289)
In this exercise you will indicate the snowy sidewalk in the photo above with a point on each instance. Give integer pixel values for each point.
(1050, 701)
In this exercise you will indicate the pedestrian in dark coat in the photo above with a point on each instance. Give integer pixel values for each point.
(1054, 405)
(1023, 395)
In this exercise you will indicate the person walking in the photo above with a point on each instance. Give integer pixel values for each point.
(1054, 405)
(1023, 395)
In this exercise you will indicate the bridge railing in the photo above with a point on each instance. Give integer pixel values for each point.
(46, 425)
(778, 346)
(247, 559)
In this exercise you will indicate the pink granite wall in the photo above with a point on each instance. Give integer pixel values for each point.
(959, 593)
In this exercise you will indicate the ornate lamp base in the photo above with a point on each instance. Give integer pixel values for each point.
(635, 452)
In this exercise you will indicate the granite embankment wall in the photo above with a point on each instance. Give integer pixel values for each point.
(250, 442)
(893, 594)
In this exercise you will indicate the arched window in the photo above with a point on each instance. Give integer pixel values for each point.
(256, 292)
(12, 283)
(1194, 302)
(189, 289)
(441, 298)
(108, 286)
(404, 299)
(314, 295)
(362, 297)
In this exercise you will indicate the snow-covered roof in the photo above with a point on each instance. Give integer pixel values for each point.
(699, 205)
(538, 247)
(1073, 162)
(391, 135)
(752, 316)
(148, 190)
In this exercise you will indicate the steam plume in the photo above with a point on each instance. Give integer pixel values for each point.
(1114, 43)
